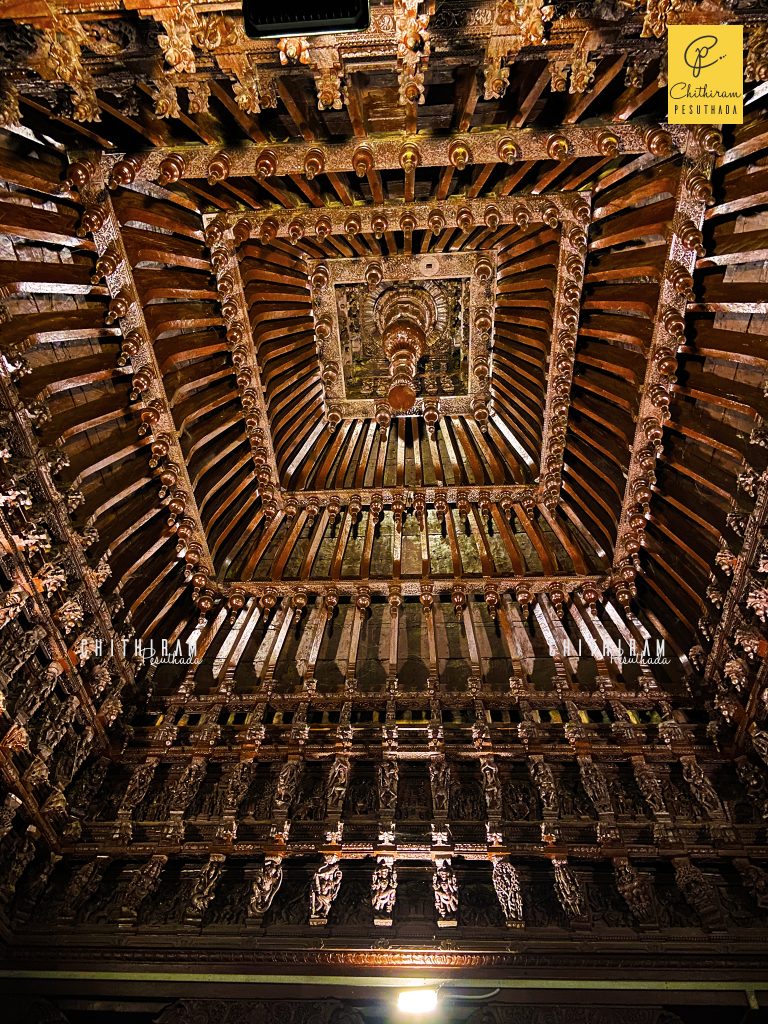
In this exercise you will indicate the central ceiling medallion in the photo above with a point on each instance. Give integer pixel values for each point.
(405, 335)
(406, 315)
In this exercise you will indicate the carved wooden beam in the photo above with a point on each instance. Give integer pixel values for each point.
(226, 267)
(730, 614)
(509, 145)
(410, 587)
(668, 326)
(127, 306)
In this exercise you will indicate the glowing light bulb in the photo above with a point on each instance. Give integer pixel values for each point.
(417, 1000)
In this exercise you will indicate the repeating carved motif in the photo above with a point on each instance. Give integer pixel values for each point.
(506, 882)
(204, 887)
(636, 891)
(569, 890)
(326, 883)
(265, 883)
(384, 890)
(446, 891)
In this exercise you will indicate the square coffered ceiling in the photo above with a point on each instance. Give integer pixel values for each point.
(493, 387)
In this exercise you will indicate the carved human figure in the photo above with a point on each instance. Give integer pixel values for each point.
(595, 786)
(55, 728)
(287, 784)
(384, 887)
(568, 889)
(388, 776)
(205, 885)
(20, 651)
(187, 785)
(446, 888)
(542, 775)
(336, 786)
(16, 860)
(755, 784)
(755, 881)
(440, 778)
(650, 787)
(138, 785)
(144, 881)
(698, 892)
(326, 883)
(236, 785)
(506, 882)
(12, 603)
(266, 881)
(636, 890)
(701, 788)
(38, 690)
(82, 883)
(491, 785)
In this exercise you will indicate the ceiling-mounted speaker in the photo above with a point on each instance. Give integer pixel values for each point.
(304, 17)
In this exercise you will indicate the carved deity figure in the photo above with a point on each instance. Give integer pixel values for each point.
(595, 786)
(701, 788)
(15, 862)
(83, 883)
(138, 785)
(336, 787)
(236, 785)
(55, 727)
(20, 651)
(205, 885)
(287, 784)
(37, 691)
(650, 787)
(636, 890)
(446, 888)
(144, 881)
(506, 882)
(755, 784)
(187, 785)
(384, 887)
(545, 784)
(440, 777)
(266, 882)
(388, 787)
(326, 883)
(699, 892)
(491, 786)
(755, 881)
(568, 889)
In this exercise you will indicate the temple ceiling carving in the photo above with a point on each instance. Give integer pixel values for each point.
(411, 383)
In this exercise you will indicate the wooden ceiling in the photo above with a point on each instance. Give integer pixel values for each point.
(175, 201)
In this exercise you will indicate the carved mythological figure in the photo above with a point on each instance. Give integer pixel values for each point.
(326, 883)
(506, 882)
(446, 888)
(264, 885)
(384, 888)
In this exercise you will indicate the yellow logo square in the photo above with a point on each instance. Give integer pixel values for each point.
(706, 74)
